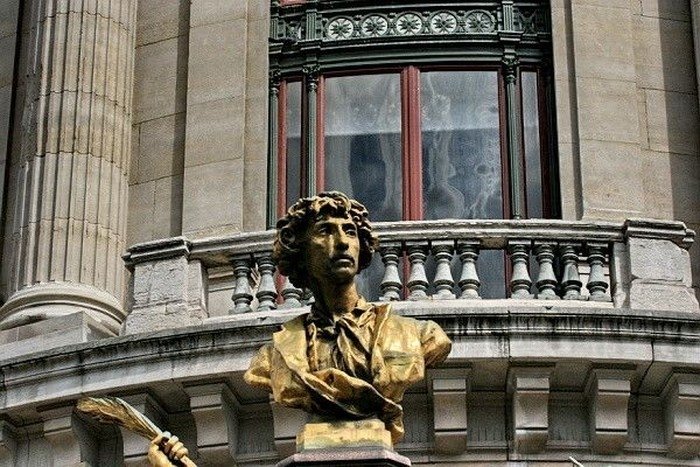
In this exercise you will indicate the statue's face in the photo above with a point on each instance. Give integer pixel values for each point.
(333, 249)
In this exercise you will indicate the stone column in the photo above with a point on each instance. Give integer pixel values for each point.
(68, 192)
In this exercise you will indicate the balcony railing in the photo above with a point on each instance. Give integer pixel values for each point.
(640, 264)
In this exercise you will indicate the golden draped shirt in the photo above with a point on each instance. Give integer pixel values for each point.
(356, 367)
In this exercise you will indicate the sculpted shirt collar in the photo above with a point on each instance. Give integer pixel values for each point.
(357, 318)
(345, 344)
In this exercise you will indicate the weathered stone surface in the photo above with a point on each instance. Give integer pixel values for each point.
(611, 56)
(662, 297)
(657, 260)
(656, 38)
(217, 62)
(529, 390)
(608, 393)
(71, 162)
(211, 208)
(158, 20)
(603, 196)
(51, 333)
(287, 422)
(204, 12)
(215, 409)
(682, 411)
(161, 68)
(161, 148)
(450, 389)
(215, 132)
(671, 117)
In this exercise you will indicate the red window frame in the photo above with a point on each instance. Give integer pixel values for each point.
(411, 144)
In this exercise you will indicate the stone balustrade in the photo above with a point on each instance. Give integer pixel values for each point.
(637, 264)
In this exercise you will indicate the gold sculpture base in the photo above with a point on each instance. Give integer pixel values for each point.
(369, 433)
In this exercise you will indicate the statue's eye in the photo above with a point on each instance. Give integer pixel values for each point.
(351, 232)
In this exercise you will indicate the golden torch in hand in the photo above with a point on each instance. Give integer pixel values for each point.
(165, 450)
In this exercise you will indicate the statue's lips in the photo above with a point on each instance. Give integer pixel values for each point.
(343, 261)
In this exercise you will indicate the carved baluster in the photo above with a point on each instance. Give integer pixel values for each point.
(443, 250)
(267, 293)
(570, 280)
(391, 282)
(241, 293)
(417, 280)
(597, 285)
(469, 279)
(546, 280)
(520, 281)
(291, 295)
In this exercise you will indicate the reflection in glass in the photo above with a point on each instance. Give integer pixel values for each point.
(531, 136)
(363, 141)
(293, 142)
(461, 145)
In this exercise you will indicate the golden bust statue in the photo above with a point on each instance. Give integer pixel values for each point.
(347, 359)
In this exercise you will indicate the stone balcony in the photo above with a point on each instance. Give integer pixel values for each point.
(584, 343)
(635, 265)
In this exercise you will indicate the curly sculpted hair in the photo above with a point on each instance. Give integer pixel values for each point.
(289, 250)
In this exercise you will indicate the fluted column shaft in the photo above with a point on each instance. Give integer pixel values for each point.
(68, 193)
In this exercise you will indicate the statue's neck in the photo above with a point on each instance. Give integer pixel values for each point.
(334, 300)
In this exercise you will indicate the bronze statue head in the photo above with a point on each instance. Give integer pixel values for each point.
(294, 229)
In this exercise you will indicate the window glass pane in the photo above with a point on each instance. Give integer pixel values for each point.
(363, 141)
(293, 121)
(461, 145)
(531, 136)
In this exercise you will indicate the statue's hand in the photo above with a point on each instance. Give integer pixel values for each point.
(172, 453)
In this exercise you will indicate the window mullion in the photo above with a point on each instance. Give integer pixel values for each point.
(320, 135)
(411, 144)
(277, 150)
(513, 122)
(311, 127)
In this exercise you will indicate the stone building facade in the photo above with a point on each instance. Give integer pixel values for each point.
(147, 145)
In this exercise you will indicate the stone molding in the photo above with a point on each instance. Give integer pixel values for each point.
(193, 360)
(51, 300)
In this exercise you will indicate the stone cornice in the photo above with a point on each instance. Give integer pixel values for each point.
(224, 346)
